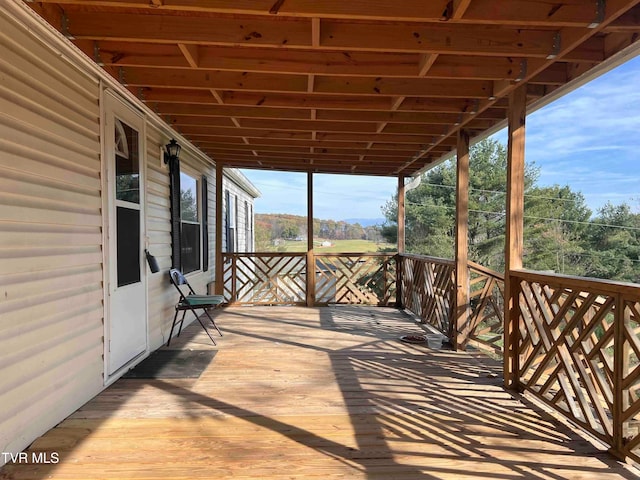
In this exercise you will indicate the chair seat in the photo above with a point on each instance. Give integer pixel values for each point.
(192, 302)
(201, 300)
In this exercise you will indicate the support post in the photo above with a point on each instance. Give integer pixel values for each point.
(620, 372)
(462, 317)
(219, 280)
(514, 243)
(311, 261)
(401, 215)
(401, 241)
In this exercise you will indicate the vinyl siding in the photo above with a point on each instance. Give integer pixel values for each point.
(51, 297)
(162, 295)
(242, 245)
(51, 238)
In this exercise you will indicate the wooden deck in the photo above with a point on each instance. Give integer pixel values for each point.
(323, 393)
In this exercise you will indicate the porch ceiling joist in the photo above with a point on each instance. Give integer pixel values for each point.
(484, 12)
(360, 87)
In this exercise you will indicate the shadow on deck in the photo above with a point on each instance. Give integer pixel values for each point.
(325, 393)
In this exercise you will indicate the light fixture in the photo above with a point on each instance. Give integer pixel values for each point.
(172, 151)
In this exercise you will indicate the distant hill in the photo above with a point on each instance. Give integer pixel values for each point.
(365, 222)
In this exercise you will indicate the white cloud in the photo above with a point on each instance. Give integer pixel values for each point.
(590, 138)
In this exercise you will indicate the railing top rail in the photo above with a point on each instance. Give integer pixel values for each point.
(427, 258)
(485, 270)
(302, 254)
(345, 254)
(599, 285)
(265, 254)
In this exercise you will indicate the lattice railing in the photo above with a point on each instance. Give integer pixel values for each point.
(630, 378)
(486, 301)
(265, 278)
(355, 279)
(427, 289)
(579, 345)
(281, 278)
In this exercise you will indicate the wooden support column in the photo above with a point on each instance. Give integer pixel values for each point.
(401, 214)
(401, 240)
(514, 243)
(311, 261)
(620, 371)
(462, 318)
(219, 283)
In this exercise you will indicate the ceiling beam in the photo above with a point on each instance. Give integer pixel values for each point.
(317, 62)
(212, 111)
(411, 138)
(518, 12)
(382, 149)
(266, 82)
(450, 38)
(317, 101)
(183, 121)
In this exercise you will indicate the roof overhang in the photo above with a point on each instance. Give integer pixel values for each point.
(374, 88)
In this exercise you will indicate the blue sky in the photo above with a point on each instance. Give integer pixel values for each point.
(589, 139)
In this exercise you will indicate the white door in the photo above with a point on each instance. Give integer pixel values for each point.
(127, 316)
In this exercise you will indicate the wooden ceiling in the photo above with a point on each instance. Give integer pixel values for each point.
(340, 86)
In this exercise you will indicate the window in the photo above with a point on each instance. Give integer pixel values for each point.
(247, 228)
(230, 217)
(190, 216)
(236, 223)
(127, 185)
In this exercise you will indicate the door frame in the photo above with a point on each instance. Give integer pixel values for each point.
(112, 104)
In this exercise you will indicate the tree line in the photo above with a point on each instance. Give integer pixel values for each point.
(270, 227)
(561, 233)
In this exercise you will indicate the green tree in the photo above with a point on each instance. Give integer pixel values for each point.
(188, 206)
(430, 208)
(556, 219)
(613, 244)
(263, 239)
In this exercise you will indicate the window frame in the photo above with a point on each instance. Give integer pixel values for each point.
(230, 220)
(196, 177)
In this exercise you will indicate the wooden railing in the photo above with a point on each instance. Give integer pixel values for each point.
(427, 289)
(578, 351)
(281, 278)
(577, 339)
(355, 279)
(486, 307)
(265, 278)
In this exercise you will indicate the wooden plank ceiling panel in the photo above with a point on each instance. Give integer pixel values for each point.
(360, 86)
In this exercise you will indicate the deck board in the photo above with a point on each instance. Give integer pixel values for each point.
(296, 393)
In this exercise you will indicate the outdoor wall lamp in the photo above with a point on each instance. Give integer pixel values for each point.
(172, 151)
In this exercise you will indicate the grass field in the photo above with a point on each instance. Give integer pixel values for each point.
(338, 246)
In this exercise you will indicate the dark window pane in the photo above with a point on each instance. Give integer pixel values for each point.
(128, 233)
(190, 247)
(127, 163)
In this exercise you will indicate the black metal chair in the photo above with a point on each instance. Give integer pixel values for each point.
(190, 301)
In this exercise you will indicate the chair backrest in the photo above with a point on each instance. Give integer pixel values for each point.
(178, 279)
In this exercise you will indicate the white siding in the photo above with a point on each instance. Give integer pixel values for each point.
(242, 245)
(51, 295)
(51, 251)
(162, 296)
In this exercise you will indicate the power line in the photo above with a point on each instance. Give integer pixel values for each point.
(532, 217)
(501, 192)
